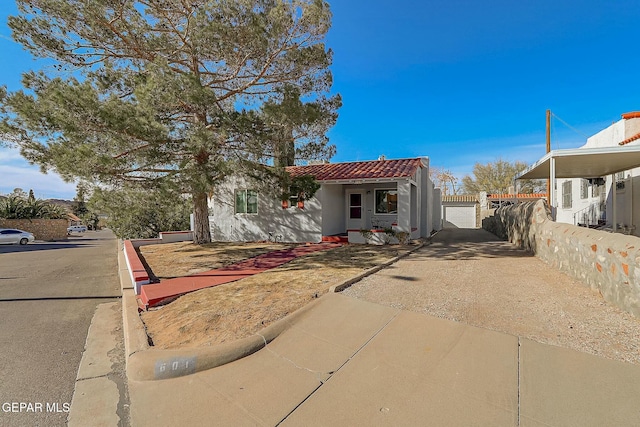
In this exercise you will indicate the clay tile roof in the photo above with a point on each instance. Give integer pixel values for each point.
(631, 115)
(377, 169)
(631, 139)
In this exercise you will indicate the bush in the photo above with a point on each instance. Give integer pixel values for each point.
(17, 207)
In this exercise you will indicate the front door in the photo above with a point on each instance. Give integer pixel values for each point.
(355, 210)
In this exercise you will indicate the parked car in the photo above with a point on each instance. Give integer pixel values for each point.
(12, 236)
(76, 229)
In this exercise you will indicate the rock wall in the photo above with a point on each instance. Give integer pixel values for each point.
(42, 229)
(607, 262)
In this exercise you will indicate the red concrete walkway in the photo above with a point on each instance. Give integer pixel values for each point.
(155, 293)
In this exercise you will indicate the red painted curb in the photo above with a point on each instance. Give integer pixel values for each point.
(138, 272)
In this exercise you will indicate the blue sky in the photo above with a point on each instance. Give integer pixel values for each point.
(459, 81)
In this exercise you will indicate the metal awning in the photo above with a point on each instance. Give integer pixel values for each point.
(584, 162)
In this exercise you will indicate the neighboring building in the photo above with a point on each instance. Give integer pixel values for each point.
(584, 193)
(73, 219)
(353, 196)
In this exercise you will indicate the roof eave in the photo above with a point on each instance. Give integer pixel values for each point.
(362, 180)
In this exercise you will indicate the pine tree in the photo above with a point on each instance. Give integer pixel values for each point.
(149, 91)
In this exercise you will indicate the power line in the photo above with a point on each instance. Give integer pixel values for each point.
(569, 126)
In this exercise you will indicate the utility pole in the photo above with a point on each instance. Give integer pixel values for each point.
(548, 150)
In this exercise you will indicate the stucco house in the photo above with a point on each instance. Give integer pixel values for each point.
(597, 184)
(353, 196)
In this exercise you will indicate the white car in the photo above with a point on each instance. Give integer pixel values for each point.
(77, 229)
(12, 236)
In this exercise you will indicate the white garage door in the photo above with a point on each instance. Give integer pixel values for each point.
(460, 216)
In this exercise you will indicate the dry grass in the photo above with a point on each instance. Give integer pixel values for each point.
(239, 309)
(172, 260)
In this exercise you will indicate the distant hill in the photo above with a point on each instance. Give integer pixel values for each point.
(66, 204)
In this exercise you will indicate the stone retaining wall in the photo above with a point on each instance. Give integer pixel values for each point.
(607, 262)
(42, 229)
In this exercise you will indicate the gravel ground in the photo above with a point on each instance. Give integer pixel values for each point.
(471, 276)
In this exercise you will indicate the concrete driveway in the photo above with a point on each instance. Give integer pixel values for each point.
(470, 276)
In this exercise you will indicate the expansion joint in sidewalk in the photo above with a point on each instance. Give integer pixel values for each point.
(519, 372)
(331, 374)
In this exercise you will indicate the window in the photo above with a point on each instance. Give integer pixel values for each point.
(620, 181)
(293, 201)
(584, 189)
(597, 187)
(386, 201)
(566, 194)
(246, 201)
(355, 206)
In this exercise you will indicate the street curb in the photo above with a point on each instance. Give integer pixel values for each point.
(96, 398)
(155, 364)
(145, 363)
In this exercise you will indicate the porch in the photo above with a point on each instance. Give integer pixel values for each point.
(371, 212)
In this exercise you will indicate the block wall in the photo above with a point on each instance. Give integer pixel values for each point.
(42, 229)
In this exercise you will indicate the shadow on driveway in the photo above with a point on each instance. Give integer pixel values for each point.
(470, 243)
(41, 246)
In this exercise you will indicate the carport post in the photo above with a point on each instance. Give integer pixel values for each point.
(614, 202)
(553, 203)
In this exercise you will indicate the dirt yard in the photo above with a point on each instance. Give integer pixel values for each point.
(239, 309)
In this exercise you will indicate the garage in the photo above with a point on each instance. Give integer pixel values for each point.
(459, 212)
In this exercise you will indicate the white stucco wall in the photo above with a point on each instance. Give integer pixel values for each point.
(436, 220)
(333, 201)
(287, 225)
(608, 137)
(404, 206)
(578, 204)
(627, 199)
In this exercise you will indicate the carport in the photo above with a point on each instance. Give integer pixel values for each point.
(583, 163)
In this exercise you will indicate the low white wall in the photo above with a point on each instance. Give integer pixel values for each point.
(176, 236)
(164, 237)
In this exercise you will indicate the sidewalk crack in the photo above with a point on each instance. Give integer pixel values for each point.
(93, 378)
(321, 376)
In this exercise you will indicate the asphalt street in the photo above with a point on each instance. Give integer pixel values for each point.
(48, 295)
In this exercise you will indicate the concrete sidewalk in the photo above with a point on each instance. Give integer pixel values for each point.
(351, 362)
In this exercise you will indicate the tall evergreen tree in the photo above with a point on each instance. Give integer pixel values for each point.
(79, 206)
(154, 90)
